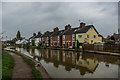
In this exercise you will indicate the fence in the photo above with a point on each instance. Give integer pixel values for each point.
(97, 47)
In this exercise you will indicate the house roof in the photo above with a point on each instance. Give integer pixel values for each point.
(32, 37)
(69, 31)
(38, 36)
(47, 34)
(85, 29)
(58, 33)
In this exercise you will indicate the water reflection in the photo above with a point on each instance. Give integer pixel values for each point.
(83, 62)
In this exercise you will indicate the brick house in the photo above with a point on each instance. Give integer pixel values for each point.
(56, 37)
(68, 37)
(46, 38)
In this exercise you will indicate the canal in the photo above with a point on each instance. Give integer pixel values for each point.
(70, 64)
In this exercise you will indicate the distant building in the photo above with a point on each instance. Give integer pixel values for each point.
(38, 38)
(21, 41)
(116, 36)
(32, 38)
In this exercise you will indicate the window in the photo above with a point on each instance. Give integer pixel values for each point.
(79, 36)
(63, 43)
(58, 37)
(63, 37)
(94, 36)
(47, 38)
(73, 37)
(87, 36)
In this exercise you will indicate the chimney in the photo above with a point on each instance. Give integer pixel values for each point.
(67, 27)
(39, 33)
(82, 24)
(56, 29)
(34, 34)
(46, 32)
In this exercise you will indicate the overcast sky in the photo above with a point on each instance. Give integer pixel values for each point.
(30, 17)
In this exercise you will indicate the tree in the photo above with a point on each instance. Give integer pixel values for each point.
(108, 37)
(27, 45)
(18, 36)
(110, 42)
(77, 44)
(33, 42)
(112, 38)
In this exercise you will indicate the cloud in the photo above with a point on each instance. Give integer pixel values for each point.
(60, 0)
(29, 17)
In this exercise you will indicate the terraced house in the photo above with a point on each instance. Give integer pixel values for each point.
(69, 36)
(56, 37)
(46, 38)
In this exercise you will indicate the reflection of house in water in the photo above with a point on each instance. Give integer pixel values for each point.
(90, 64)
(68, 59)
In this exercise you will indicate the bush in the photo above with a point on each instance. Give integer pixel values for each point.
(33, 42)
(73, 47)
(110, 42)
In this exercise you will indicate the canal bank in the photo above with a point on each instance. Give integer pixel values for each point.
(40, 68)
(89, 51)
(71, 64)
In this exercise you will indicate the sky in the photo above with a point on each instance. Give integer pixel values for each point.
(30, 17)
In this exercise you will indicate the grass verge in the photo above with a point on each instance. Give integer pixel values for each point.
(35, 72)
(7, 65)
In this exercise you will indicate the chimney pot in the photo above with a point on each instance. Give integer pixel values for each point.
(82, 24)
(56, 29)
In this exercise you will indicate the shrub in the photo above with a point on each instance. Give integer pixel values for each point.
(110, 42)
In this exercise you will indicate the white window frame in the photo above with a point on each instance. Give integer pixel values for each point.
(63, 37)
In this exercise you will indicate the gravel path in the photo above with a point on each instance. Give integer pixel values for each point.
(21, 68)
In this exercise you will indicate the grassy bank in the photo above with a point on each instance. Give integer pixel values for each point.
(35, 72)
(0, 65)
(7, 65)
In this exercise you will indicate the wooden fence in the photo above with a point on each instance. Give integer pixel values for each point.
(100, 47)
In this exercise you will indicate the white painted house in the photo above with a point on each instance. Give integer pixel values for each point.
(37, 39)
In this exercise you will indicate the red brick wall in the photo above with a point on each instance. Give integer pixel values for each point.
(55, 38)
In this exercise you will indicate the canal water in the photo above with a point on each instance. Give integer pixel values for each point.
(70, 64)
